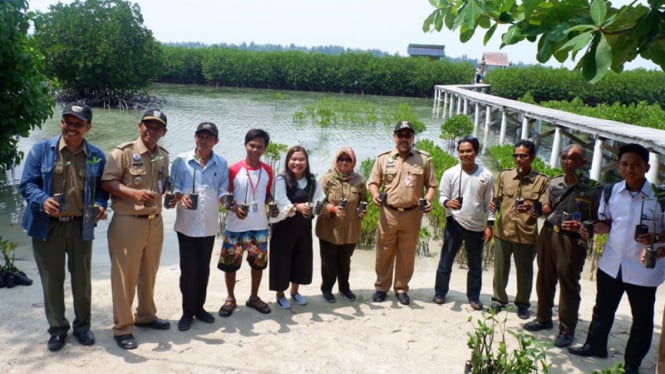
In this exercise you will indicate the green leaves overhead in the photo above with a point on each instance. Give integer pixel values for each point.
(606, 37)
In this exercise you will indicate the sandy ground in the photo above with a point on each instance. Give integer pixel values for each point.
(345, 337)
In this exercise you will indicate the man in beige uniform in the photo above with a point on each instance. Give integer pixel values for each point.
(404, 175)
(517, 191)
(135, 176)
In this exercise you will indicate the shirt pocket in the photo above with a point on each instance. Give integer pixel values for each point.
(137, 177)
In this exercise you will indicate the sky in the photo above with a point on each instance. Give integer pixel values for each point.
(387, 25)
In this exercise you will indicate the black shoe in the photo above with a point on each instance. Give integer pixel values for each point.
(438, 299)
(185, 323)
(21, 279)
(126, 341)
(379, 296)
(537, 325)
(476, 304)
(85, 337)
(496, 307)
(403, 298)
(348, 295)
(56, 342)
(563, 340)
(329, 296)
(587, 350)
(523, 312)
(204, 316)
(631, 369)
(157, 324)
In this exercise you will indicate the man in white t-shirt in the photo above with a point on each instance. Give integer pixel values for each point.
(247, 222)
(465, 191)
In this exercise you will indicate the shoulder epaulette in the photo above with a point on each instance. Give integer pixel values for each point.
(163, 149)
(383, 153)
(124, 145)
(425, 153)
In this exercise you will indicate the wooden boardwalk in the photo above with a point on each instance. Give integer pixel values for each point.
(604, 135)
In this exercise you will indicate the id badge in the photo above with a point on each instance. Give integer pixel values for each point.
(255, 206)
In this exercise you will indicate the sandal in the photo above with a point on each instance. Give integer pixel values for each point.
(227, 309)
(258, 304)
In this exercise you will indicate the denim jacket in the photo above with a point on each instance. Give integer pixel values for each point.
(36, 186)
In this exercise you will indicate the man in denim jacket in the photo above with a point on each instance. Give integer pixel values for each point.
(59, 184)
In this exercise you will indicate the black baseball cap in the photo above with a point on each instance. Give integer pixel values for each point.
(404, 125)
(209, 127)
(154, 115)
(78, 110)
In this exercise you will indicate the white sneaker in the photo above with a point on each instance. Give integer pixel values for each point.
(283, 303)
(299, 299)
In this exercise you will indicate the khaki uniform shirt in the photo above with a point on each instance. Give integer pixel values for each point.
(403, 179)
(346, 229)
(512, 226)
(69, 178)
(134, 166)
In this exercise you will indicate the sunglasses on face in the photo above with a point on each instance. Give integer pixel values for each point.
(521, 156)
(344, 159)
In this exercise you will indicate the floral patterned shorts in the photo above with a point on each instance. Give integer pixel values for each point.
(255, 242)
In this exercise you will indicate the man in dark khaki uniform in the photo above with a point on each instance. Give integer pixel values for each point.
(516, 190)
(135, 175)
(405, 175)
(561, 251)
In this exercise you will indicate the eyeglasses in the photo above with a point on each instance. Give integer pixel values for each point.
(76, 125)
(521, 156)
(344, 159)
(404, 135)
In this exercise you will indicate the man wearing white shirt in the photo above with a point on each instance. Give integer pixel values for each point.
(204, 174)
(465, 191)
(620, 270)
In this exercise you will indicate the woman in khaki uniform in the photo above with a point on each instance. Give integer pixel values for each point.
(338, 227)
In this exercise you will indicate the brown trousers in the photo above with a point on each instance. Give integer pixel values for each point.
(135, 246)
(397, 239)
(560, 257)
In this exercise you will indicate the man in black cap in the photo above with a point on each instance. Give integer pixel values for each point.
(204, 174)
(399, 180)
(135, 176)
(59, 182)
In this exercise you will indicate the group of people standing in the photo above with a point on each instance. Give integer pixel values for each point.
(574, 208)
(67, 181)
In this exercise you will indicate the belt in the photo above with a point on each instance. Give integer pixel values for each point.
(147, 216)
(65, 218)
(402, 209)
(559, 230)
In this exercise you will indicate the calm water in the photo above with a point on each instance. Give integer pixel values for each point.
(234, 111)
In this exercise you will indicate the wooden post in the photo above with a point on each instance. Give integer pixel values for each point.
(525, 127)
(452, 103)
(654, 161)
(502, 133)
(597, 163)
(488, 116)
(556, 145)
(476, 119)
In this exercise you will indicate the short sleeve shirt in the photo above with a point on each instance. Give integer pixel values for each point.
(135, 166)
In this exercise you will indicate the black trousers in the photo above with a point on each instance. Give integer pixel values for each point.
(335, 265)
(195, 254)
(608, 295)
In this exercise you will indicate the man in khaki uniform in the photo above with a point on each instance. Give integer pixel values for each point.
(404, 175)
(136, 175)
(516, 190)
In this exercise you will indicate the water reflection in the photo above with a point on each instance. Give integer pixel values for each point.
(234, 111)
